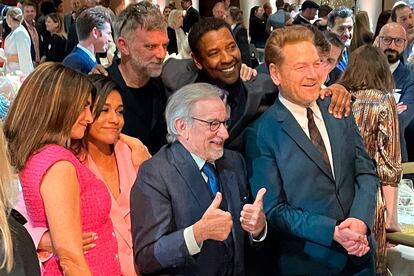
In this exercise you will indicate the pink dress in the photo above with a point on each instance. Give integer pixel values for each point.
(95, 205)
(120, 210)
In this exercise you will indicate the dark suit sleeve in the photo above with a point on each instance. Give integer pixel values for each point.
(155, 244)
(408, 99)
(263, 171)
(190, 19)
(243, 44)
(366, 181)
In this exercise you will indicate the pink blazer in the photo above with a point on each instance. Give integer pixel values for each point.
(120, 209)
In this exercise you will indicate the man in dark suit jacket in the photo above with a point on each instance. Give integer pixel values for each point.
(37, 48)
(187, 219)
(94, 31)
(191, 17)
(321, 183)
(404, 83)
(247, 99)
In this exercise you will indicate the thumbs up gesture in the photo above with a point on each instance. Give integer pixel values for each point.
(215, 224)
(252, 217)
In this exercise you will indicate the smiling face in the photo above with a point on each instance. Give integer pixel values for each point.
(84, 118)
(197, 137)
(51, 26)
(299, 76)
(344, 28)
(219, 57)
(103, 38)
(29, 13)
(405, 17)
(108, 125)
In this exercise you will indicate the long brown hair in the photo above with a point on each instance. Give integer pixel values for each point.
(60, 31)
(367, 69)
(45, 109)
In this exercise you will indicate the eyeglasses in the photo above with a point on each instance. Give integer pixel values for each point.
(215, 124)
(387, 40)
(134, 9)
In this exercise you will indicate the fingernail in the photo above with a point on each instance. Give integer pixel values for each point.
(95, 237)
(93, 245)
(85, 252)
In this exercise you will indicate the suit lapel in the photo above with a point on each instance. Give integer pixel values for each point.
(187, 168)
(293, 129)
(335, 133)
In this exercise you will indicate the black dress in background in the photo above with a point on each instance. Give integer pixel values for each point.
(25, 261)
(257, 31)
(55, 50)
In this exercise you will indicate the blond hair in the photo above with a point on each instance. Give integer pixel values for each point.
(8, 190)
(282, 36)
(45, 109)
(15, 13)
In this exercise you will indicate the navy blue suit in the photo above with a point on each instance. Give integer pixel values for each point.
(169, 195)
(79, 61)
(404, 80)
(304, 201)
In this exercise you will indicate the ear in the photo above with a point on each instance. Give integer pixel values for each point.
(122, 45)
(274, 73)
(181, 127)
(95, 32)
(376, 42)
(197, 61)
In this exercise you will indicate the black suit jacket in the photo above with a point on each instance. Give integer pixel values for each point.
(191, 16)
(260, 91)
(240, 35)
(42, 47)
(165, 202)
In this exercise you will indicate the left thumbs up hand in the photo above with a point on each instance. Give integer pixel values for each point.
(252, 217)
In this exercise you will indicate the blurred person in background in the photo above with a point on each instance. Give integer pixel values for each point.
(257, 27)
(176, 34)
(322, 21)
(383, 18)
(235, 20)
(362, 31)
(370, 80)
(55, 50)
(37, 46)
(219, 10)
(17, 252)
(17, 44)
(69, 18)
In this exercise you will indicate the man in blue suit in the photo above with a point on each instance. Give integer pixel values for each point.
(189, 205)
(93, 27)
(321, 184)
(392, 40)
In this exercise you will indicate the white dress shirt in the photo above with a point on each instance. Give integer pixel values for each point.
(299, 113)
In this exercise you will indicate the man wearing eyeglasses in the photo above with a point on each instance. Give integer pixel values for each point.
(392, 41)
(190, 208)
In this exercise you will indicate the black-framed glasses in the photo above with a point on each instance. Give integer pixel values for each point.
(215, 124)
(387, 40)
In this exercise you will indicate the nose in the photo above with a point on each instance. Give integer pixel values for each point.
(222, 132)
(160, 52)
(347, 33)
(114, 117)
(226, 57)
(88, 116)
(312, 71)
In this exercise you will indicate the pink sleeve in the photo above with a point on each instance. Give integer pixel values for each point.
(35, 232)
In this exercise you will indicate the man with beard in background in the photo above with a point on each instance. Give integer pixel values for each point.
(392, 40)
(402, 14)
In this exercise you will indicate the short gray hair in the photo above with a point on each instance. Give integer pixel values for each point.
(142, 14)
(181, 103)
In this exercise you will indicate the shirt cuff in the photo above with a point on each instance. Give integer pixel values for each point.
(190, 241)
(262, 236)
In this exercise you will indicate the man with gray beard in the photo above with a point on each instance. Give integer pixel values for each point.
(392, 40)
(141, 38)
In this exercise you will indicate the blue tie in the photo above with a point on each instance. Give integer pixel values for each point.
(210, 171)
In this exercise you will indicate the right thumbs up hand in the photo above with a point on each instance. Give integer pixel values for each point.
(214, 225)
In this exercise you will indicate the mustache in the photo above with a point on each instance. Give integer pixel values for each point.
(391, 51)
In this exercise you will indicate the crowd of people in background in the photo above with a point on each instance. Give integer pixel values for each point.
(158, 142)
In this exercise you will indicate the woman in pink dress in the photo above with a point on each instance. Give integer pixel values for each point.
(51, 111)
(114, 162)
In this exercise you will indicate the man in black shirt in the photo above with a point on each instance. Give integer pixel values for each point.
(141, 37)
